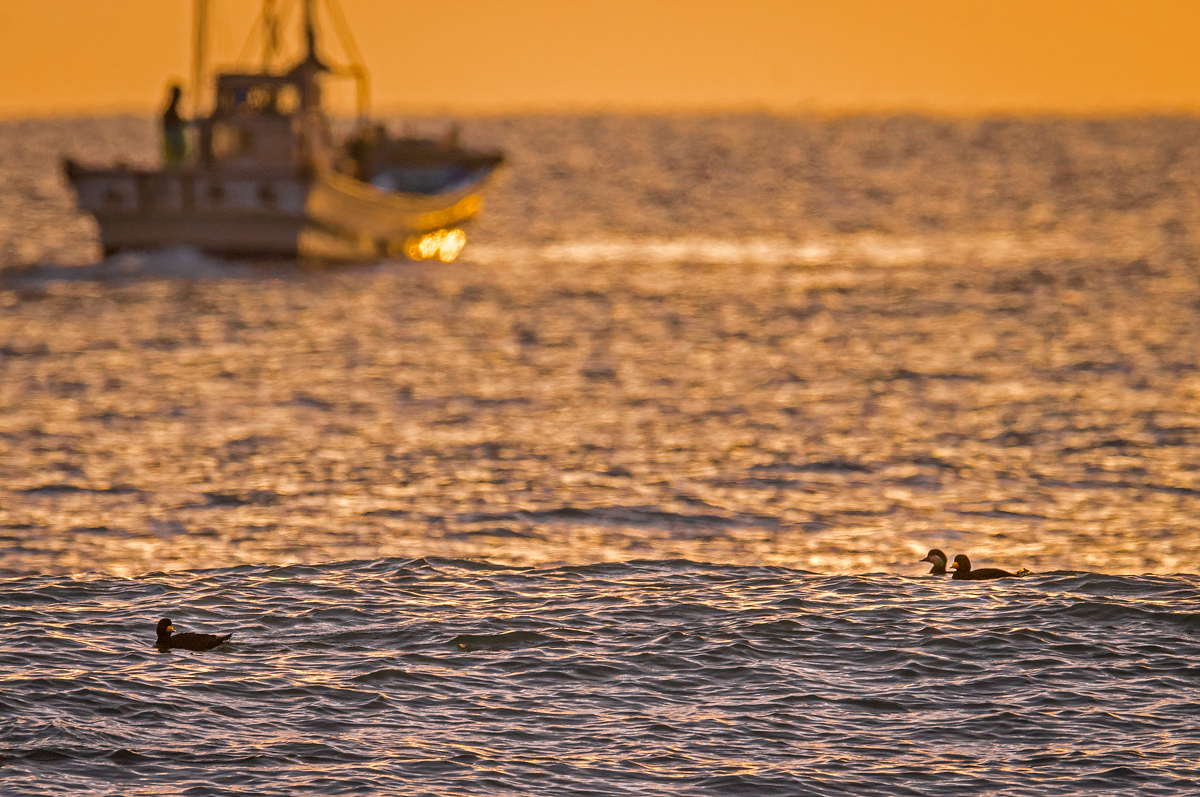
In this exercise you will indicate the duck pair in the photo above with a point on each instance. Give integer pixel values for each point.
(962, 568)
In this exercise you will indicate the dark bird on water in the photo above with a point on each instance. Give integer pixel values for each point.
(167, 638)
(936, 557)
(963, 571)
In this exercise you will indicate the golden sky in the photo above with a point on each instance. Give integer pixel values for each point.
(943, 56)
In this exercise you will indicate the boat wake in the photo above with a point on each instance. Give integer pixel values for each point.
(177, 263)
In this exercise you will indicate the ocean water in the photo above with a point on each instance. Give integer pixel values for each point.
(438, 676)
(631, 498)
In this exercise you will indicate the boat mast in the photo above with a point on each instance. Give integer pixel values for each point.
(270, 34)
(310, 31)
(199, 54)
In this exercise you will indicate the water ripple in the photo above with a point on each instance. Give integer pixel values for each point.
(440, 675)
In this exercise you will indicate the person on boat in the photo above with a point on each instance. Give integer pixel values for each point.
(174, 139)
(361, 151)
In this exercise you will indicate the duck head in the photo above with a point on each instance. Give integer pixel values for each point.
(165, 629)
(937, 558)
(962, 564)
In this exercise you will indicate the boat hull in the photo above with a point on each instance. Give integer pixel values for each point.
(274, 214)
(226, 234)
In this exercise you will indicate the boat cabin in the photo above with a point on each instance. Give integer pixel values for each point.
(263, 120)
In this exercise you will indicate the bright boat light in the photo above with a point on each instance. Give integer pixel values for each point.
(445, 245)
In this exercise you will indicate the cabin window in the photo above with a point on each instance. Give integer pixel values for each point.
(288, 100)
(227, 141)
(261, 98)
(114, 197)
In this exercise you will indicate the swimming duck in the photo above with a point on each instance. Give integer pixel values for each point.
(963, 571)
(167, 639)
(936, 557)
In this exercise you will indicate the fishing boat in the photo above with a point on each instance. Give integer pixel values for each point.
(262, 175)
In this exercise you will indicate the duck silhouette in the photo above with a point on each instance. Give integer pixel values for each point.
(168, 640)
(963, 571)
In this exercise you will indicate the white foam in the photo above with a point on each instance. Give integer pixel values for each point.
(179, 263)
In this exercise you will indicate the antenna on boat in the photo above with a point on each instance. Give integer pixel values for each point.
(270, 23)
(355, 69)
(310, 30)
(199, 55)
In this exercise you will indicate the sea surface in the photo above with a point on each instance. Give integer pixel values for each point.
(443, 676)
(630, 499)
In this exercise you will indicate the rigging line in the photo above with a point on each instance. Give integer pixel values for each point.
(270, 33)
(260, 28)
(356, 69)
(288, 7)
(344, 33)
(281, 24)
(219, 29)
(259, 23)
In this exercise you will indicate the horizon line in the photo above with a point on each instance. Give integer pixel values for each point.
(585, 109)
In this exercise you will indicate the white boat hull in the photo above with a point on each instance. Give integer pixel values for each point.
(267, 213)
